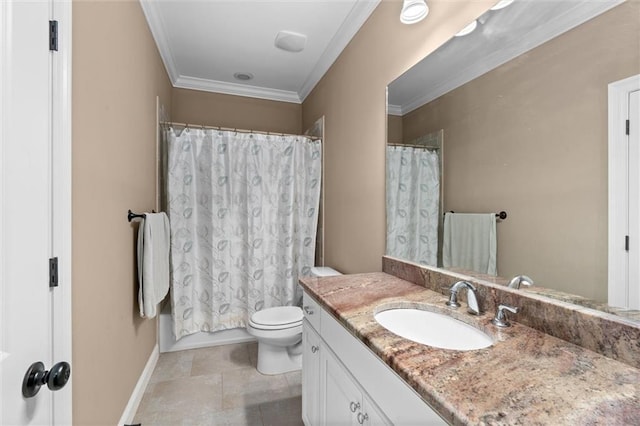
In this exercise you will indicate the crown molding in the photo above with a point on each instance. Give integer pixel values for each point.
(160, 36)
(394, 110)
(185, 82)
(351, 25)
(356, 18)
(540, 35)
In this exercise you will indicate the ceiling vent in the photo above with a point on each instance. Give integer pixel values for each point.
(243, 76)
(290, 41)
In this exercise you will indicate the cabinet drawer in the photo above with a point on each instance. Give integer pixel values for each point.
(311, 311)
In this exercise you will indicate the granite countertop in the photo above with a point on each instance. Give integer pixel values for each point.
(526, 377)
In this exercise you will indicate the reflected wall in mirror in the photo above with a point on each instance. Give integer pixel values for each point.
(522, 102)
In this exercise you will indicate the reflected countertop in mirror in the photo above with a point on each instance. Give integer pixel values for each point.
(523, 106)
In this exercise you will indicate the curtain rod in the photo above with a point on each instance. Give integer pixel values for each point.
(230, 129)
(409, 145)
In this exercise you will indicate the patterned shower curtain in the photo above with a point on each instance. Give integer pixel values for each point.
(243, 209)
(413, 197)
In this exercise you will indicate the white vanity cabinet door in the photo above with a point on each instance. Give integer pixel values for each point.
(311, 348)
(373, 416)
(344, 400)
(342, 396)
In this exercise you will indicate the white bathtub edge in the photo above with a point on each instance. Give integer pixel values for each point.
(168, 343)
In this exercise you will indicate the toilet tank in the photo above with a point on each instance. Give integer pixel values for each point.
(323, 271)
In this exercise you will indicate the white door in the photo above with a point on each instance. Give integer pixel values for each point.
(632, 295)
(28, 333)
(624, 193)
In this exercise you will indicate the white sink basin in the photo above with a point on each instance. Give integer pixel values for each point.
(433, 329)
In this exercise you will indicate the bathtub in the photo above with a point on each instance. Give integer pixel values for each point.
(168, 343)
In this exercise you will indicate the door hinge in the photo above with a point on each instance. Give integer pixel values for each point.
(53, 272)
(53, 35)
(626, 242)
(627, 127)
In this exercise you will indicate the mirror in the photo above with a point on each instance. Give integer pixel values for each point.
(522, 104)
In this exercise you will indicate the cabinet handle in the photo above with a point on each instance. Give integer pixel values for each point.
(314, 349)
(308, 310)
(354, 406)
(362, 418)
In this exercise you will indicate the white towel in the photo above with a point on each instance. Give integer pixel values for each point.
(153, 262)
(469, 242)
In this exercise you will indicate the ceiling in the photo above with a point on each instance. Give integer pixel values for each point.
(203, 43)
(501, 35)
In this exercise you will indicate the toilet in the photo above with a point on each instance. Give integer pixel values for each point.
(279, 333)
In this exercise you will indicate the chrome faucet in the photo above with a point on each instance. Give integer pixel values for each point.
(472, 300)
(520, 279)
(501, 320)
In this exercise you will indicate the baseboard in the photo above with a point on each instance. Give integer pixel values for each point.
(138, 392)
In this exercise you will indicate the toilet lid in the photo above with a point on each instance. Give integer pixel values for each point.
(278, 317)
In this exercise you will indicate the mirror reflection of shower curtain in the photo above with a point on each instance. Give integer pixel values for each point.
(413, 198)
(243, 209)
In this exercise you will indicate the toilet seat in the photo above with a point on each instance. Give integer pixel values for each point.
(277, 318)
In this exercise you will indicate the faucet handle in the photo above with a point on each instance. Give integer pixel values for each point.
(500, 320)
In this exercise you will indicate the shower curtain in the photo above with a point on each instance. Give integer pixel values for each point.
(413, 198)
(243, 209)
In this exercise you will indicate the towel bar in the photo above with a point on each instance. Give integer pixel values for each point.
(502, 215)
(131, 215)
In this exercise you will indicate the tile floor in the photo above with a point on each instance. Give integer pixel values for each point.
(219, 386)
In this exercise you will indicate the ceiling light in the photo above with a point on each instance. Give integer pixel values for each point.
(413, 11)
(290, 41)
(243, 76)
(502, 4)
(468, 29)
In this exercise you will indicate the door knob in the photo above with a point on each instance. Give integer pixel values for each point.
(36, 376)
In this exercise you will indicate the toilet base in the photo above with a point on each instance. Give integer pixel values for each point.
(274, 359)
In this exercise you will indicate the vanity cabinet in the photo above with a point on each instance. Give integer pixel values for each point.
(344, 383)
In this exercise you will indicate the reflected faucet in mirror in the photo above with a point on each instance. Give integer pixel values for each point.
(520, 279)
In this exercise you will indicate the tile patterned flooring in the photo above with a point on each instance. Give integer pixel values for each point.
(219, 386)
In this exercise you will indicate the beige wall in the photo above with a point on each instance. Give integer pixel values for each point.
(530, 138)
(351, 96)
(394, 129)
(215, 109)
(117, 74)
